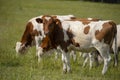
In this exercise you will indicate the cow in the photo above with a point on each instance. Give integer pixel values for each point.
(31, 36)
(84, 21)
(97, 58)
(74, 35)
(34, 33)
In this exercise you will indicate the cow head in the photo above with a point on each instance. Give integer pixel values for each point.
(49, 23)
(24, 44)
(20, 48)
(28, 38)
(53, 31)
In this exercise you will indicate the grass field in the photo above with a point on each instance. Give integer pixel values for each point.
(14, 15)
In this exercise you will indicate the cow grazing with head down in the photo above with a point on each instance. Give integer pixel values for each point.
(31, 36)
(74, 35)
(34, 32)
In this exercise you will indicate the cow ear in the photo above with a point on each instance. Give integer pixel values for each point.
(56, 21)
(39, 20)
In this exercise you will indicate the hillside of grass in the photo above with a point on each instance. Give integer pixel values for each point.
(14, 15)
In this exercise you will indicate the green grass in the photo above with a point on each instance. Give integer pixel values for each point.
(14, 15)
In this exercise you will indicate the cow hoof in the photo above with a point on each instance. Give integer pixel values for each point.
(70, 71)
(64, 71)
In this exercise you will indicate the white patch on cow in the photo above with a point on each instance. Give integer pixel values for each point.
(77, 29)
(47, 18)
(118, 36)
(65, 26)
(39, 27)
(64, 17)
(18, 46)
(39, 53)
(66, 61)
(89, 18)
(73, 54)
(65, 36)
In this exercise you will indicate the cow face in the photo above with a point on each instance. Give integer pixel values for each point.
(51, 27)
(20, 48)
(49, 24)
(27, 39)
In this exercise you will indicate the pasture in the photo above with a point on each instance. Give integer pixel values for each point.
(14, 15)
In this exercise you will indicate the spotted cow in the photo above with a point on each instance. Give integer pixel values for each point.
(34, 32)
(97, 58)
(74, 35)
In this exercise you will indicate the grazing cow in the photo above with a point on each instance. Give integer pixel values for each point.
(34, 32)
(74, 35)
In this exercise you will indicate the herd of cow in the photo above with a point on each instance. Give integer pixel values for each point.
(67, 33)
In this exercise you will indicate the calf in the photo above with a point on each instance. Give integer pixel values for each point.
(76, 36)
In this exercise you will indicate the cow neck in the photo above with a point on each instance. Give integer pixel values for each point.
(27, 37)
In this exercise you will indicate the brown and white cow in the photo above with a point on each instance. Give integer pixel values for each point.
(97, 58)
(74, 35)
(34, 32)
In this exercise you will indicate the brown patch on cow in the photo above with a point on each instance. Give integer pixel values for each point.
(74, 43)
(39, 20)
(54, 17)
(71, 40)
(107, 33)
(45, 43)
(36, 33)
(86, 29)
(27, 37)
(73, 18)
(69, 33)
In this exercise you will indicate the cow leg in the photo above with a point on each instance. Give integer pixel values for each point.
(104, 51)
(85, 61)
(91, 60)
(66, 62)
(39, 53)
(73, 54)
(56, 55)
(37, 42)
